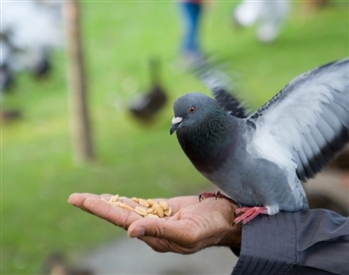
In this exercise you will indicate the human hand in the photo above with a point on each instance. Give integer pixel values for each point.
(192, 226)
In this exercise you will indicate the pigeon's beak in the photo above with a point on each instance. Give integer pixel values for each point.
(176, 121)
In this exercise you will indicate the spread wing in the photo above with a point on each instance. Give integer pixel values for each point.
(219, 83)
(229, 103)
(307, 123)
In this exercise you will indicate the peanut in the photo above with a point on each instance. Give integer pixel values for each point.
(125, 206)
(115, 198)
(158, 210)
(164, 205)
(152, 216)
(168, 212)
(135, 199)
(151, 202)
(143, 203)
(147, 208)
(150, 210)
(141, 211)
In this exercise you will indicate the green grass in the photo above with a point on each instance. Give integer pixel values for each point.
(37, 172)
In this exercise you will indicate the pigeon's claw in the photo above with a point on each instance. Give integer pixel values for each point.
(249, 213)
(204, 195)
(217, 195)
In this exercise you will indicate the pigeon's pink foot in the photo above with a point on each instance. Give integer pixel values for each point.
(205, 195)
(249, 213)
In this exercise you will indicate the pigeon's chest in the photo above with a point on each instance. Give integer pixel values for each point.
(207, 157)
(233, 177)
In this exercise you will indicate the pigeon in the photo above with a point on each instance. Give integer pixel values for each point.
(261, 160)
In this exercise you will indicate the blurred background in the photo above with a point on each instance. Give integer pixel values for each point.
(130, 49)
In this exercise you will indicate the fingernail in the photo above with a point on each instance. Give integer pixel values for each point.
(137, 232)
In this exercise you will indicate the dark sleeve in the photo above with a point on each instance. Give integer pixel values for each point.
(314, 242)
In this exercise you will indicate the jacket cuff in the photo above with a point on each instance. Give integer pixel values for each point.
(268, 246)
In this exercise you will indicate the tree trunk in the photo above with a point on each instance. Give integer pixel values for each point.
(79, 116)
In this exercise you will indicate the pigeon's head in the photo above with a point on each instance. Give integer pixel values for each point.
(191, 110)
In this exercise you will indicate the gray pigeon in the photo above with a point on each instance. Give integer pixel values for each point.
(260, 161)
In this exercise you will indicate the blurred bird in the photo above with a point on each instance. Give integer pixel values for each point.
(146, 106)
(259, 161)
(6, 79)
(56, 264)
(269, 16)
(6, 75)
(8, 116)
(212, 75)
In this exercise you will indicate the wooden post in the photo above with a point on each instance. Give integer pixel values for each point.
(79, 116)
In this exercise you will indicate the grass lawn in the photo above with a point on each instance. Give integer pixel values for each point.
(37, 172)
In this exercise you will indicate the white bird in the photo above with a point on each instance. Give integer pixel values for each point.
(32, 29)
(268, 15)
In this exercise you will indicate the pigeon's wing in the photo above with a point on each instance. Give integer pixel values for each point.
(307, 123)
(229, 103)
(219, 83)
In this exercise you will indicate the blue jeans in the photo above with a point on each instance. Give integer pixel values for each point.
(191, 15)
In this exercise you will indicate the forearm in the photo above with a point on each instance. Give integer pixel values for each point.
(312, 242)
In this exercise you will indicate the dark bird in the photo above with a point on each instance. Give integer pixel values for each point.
(6, 79)
(260, 161)
(56, 264)
(145, 107)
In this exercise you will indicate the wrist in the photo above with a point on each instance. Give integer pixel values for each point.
(232, 236)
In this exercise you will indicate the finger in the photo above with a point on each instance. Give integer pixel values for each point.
(163, 245)
(181, 232)
(78, 199)
(116, 215)
(156, 244)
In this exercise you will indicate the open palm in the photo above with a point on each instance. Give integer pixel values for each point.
(192, 226)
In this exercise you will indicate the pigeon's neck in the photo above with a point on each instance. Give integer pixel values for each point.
(208, 145)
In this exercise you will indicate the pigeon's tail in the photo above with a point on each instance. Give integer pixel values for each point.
(220, 83)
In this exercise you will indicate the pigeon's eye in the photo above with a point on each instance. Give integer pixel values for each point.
(191, 109)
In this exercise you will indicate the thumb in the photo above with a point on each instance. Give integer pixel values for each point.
(158, 228)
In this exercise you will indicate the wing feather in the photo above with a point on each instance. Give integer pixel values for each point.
(306, 166)
(300, 170)
(325, 150)
(308, 120)
(319, 158)
(341, 113)
(312, 156)
(220, 83)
